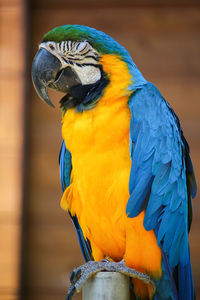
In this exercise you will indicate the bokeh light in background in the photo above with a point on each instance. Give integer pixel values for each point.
(38, 245)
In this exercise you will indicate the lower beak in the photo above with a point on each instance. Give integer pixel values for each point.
(47, 72)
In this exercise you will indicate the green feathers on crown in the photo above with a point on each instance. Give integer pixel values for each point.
(103, 43)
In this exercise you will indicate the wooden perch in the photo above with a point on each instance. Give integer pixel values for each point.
(107, 286)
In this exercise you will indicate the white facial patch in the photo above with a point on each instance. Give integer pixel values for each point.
(80, 56)
(88, 74)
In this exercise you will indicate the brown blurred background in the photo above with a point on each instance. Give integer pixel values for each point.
(38, 245)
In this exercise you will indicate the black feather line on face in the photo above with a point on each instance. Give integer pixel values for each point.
(84, 97)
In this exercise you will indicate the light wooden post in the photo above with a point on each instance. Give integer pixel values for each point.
(107, 286)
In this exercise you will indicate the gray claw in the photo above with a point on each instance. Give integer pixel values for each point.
(75, 275)
(70, 293)
(80, 275)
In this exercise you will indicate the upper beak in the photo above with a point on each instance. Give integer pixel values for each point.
(47, 71)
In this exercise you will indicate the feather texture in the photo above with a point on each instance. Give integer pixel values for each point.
(161, 176)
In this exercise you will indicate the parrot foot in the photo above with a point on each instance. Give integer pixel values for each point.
(80, 275)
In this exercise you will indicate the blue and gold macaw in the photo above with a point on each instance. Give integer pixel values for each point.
(125, 167)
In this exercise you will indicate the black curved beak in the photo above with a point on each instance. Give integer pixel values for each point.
(47, 71)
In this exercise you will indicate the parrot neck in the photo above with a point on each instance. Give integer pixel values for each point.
(119, 79)
(138, 79)
(124, 78)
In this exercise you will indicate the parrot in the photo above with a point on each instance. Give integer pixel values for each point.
(125, 167)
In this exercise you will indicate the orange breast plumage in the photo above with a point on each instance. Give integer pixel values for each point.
(98, 140)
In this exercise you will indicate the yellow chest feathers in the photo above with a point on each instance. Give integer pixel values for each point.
(108, 122)
(98, 140)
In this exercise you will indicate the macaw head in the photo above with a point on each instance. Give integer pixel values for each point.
(79, 61)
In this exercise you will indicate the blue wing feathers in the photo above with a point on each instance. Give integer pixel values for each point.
(185, 281)
(65, 174)
(161, 169)
(61, 163)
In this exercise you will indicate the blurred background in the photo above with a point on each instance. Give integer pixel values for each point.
(38, 244)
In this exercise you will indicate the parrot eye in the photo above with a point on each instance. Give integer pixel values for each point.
(51, 46)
